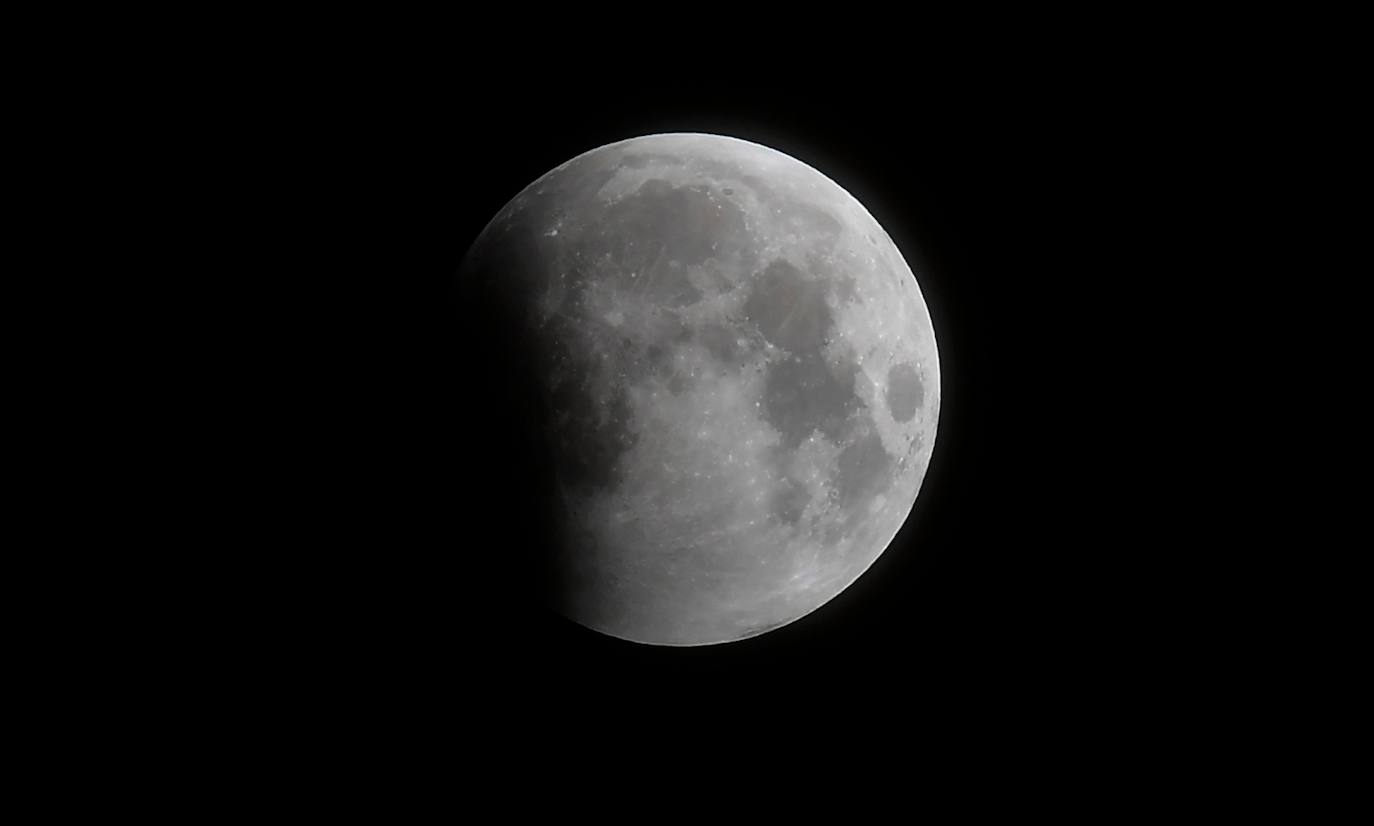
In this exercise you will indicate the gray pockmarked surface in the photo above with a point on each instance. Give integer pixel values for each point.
(740, 375)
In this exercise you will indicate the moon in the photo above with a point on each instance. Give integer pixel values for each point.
(725, 377)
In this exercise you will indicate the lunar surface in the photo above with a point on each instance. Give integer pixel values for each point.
(726, 376)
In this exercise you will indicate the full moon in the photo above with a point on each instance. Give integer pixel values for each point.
(722, 376)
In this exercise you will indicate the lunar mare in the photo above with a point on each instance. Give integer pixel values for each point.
(730, 376)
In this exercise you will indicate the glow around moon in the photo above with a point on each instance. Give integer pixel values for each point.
(733, 381)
